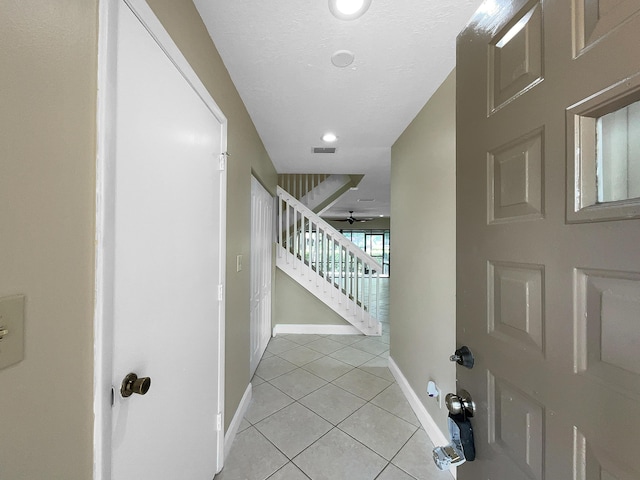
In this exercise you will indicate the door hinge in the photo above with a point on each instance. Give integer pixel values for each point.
(219, 422)
(223, 160)
(220, 292)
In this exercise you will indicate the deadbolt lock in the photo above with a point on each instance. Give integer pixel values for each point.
(132, 384)
(463, 356)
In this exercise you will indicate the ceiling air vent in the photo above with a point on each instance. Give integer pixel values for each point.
(324, 149)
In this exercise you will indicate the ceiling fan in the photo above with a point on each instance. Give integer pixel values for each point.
(351, 219)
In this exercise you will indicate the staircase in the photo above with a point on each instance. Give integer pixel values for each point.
(317, 192)
(327, 265)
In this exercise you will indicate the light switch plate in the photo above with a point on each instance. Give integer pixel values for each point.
(239, 263)
(12, 319)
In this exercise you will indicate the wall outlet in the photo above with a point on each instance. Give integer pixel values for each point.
(432, 389)
(11, 330)
(434, 392)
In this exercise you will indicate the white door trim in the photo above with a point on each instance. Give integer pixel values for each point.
(105, 218)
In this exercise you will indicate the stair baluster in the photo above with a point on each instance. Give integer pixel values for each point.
(345, 277)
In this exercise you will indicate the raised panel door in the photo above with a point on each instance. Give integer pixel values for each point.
(550, 306)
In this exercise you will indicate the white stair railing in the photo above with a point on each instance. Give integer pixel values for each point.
(328, 264)
(299, 185)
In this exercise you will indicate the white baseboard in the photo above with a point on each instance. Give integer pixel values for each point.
(230, 435)
(426, 420)
(283, 328)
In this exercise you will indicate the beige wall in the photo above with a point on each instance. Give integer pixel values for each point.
(295, 305)
(423, 223)
(247, 155)
(48, 53)
(47, 210)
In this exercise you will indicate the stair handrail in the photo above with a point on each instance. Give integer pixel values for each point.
(324, 253)
(357, 251)
(300, 184)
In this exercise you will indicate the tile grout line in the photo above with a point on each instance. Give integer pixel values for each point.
(398, 453)
(333, 426)
(273, 413)
(394, 456)
(276, 447)
(354, 439)
(296, 399)
(337, 426)
(282, 468)
(388, 411)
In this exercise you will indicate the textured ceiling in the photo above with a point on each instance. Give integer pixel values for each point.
(278, 54)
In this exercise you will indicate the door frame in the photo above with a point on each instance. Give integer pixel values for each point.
(105, 218)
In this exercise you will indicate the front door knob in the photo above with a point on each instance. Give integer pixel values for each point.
(460, 404)
(132, 384)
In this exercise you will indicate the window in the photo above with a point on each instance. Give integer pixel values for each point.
(603, 155)
(618, 154)
(377, 243)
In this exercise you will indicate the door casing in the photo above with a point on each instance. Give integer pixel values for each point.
(105, 218)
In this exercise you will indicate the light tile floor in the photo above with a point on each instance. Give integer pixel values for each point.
(327, 407)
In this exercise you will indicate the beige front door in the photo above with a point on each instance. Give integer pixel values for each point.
(548, 291)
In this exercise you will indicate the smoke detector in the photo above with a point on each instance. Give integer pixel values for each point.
(342, 58)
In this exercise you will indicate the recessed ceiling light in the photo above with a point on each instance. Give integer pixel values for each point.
(329, 137)
(348, 9)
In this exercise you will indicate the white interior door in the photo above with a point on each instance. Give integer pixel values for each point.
(548, 274)
(169, 246)
(262, 219)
